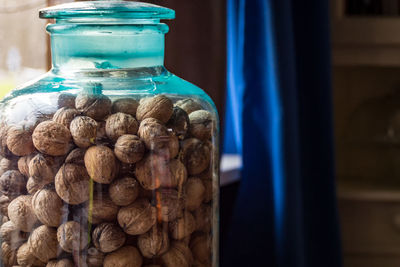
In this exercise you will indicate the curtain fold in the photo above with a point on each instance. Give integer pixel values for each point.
(286, 212)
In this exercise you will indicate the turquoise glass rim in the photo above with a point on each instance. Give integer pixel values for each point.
(107, 9)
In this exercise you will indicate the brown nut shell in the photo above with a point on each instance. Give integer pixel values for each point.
(72, 184)
(32, 186)
(48, 207)
(195, 155)
(129, 148)
(126, 256)
(23, 164)
(178, 255)
(154, 243)
(8, 255)
(12, 183)
(65, 115)
(194, 193)
(61, 263)
(188, 104)
(177, 175)
(76, 156)
(183, 226)
(43, 243)
(66, 100)
(203, 217)
(201, 248)
(21, 213)
(95, 106)
(72, 237)
(26, 258)
(4, 202)
(154, 134)
(179, 122)
(103, 209)
(95, 257)
(19, 141)
(202, 124)
(11, 234)
(119, 124)
(52, 138)
(158, 107)
(137, 218)
(8, 165)
(125, 105)
(108, 237)
(151, 170)
(169, 205)
(124, 191)
(43, 168)
(84, 131)
(101, 164)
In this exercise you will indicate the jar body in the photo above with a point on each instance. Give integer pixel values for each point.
(109, 167)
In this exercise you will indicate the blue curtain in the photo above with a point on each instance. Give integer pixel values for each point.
(279, 117)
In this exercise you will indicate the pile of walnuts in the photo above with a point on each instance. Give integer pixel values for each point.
(109, 183)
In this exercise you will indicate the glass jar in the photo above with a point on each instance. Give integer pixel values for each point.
(109, 159)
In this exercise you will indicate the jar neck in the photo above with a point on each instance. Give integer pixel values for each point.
(88, 46)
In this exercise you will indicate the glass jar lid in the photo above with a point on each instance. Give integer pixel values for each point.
(107, 9)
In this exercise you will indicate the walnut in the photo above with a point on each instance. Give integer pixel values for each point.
(72, 237)
(19, 141)
(11, 234)
(183, 226)
(32, 186)
(101, 164)
(200, 246)
(178, 255)
(43, 243)
(119, 124)
(76, 156)
(177, 176)
(4, 202)
(108, 237)
(21, 213)
(158, 107)
(26, 258)
(137, 218)
(189, 105)
(208, 194)
(124, 191)
(195, 155)
(125, 105)
(103, 209)
(23, 164)
(66, 100)
(126, 256)
(202, 124)
(48, 207)
(7, 165)
(101, 132)
(43, 168)
(179, 122)
(203, 216)
(94, 106)
(95, 257)
(8, 255)
(12, 183)
(129, 148)
(72, 184)
(154, 134)
(150, 170)
(65, 116)
(169, 204)
(194, 193)
(154, 243)
(61, 263)
(52, 138)
(4, 151)
(173, 146)
(84, 131)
